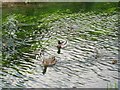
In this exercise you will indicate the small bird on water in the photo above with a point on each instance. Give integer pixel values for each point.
(61, 44)
(114, 61)
(48, 62)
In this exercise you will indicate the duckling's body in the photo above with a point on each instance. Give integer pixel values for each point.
(48, 62)
(61, 44)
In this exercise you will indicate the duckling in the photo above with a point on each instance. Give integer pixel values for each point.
(61, 44)
(48, 62)
(114, 61)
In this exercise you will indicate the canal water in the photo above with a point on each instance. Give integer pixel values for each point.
(86, 61)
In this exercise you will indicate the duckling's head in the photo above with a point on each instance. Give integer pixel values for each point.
(59, 42)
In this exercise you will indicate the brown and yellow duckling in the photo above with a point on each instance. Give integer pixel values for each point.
(48, 62)
(114, 61)
(61, 44)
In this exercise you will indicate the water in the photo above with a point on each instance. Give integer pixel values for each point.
(86, 62)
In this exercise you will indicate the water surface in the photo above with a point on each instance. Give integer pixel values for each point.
(86, 62)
